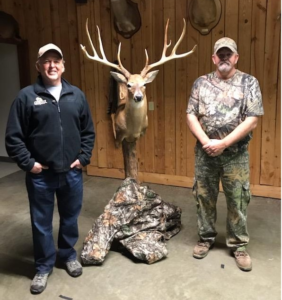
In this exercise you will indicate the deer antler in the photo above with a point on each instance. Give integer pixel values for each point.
(173, 55)
(103, 60)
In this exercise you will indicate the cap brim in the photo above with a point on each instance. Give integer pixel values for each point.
(231, 48)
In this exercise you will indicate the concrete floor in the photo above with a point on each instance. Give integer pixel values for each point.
(7, 168)
(179, 276)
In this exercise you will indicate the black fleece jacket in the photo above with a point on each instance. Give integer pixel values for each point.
(55, 134)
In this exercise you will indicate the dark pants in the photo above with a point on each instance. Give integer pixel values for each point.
(42, 189)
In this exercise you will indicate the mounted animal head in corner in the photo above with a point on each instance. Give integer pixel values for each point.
(9, 27)
(131, 121)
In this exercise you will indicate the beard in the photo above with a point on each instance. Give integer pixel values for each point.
(224, 67)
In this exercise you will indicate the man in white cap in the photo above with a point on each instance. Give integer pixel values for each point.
(50, 135)
(222, 111)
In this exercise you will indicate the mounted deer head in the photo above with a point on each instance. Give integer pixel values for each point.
(131, 121)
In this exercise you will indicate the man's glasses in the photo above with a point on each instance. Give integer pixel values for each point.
(51, 62)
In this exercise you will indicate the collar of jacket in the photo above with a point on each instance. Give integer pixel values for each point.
(40, 88)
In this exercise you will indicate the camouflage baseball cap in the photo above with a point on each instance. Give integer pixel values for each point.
(225, 42)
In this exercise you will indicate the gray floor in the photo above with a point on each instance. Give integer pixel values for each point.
(179, 276)
(7, 168)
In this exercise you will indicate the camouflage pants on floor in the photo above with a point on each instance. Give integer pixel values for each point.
(139, 219)
(233, 171)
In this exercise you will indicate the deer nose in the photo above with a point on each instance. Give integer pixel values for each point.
(138, 98)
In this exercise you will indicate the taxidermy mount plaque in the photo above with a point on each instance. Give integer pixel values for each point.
(204, 14)
(127, 19)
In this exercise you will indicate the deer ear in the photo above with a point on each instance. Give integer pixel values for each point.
(151, 76)
(119, 77)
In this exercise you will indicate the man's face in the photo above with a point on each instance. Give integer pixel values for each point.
(225, 60)
(51, 68)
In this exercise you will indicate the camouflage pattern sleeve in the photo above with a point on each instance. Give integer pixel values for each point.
(193, 103)
(254, 105)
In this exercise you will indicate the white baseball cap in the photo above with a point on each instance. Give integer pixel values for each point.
(49, 47)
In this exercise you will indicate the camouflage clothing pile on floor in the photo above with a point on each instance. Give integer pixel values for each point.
(139, 219)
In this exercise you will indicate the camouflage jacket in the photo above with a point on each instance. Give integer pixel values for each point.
(221, 105)
(139, 219)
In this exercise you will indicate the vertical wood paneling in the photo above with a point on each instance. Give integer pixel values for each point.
(33, 35)
(55, 19)
(147, 43)
(88, 79)
(104, 100)
(218, 30)
(257, 69)
(231, 19)
(64, 38)
(45, 29)
(8, 7)
(101, 12)
(81, 41)
(192, 75)
(73, 43)
(181, 92)
(93, 77)
(117, 158)
(169, 92)
(167, 148)
(244, 36)
(205, 63)
(137, 43)
(277, 149)
(158, 87)
(270, 91)
(19, 8)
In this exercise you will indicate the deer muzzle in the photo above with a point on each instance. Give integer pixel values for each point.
(138, 98)
(138, 95)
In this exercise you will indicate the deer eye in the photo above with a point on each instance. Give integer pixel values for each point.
(129, 85)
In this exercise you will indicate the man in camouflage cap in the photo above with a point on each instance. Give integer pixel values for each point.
(222, 111)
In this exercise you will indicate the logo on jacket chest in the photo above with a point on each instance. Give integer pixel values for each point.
(39, 101)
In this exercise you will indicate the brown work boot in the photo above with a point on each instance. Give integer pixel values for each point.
(243, 260)
(201, 250)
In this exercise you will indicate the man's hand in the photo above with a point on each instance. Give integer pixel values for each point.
(37, 168)
(76, 164)
(214, 147)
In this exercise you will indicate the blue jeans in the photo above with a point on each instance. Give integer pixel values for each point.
(42, 189)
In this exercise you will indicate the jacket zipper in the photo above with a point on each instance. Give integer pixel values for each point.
(61, 130)
(62, 134)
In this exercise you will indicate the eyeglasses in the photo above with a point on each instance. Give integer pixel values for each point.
(51, 62)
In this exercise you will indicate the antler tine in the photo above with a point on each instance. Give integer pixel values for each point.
(96, 57)
(180, 39)
(166, 45)
(147, 61)
(89, 38)
(123, 70)
(173, 55)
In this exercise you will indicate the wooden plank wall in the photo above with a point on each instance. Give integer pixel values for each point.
(166, 152)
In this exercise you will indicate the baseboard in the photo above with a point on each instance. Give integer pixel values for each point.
(6, 159)
(174, 180)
